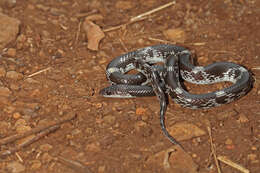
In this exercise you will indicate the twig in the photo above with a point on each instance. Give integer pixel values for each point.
(123, 45)
(75, 165)
(255, 68)
(35, 138)
(232, 164)
(140, 17)
(78, 32)
(160, 40)
(80, 15)
(36, 130)
(122, 25)
(38, 72)
(19, 157)
(213, 150)
(151, 11)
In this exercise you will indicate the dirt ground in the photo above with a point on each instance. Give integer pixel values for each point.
(120, 135)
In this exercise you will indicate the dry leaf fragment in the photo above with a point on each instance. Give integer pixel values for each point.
(94, 34)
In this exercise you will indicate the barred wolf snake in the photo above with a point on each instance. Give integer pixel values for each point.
(161, 80)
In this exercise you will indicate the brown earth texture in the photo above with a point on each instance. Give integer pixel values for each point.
(53, 57)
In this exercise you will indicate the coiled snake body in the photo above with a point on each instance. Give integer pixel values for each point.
(165, 79)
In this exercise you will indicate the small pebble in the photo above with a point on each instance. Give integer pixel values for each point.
(45, 147)
(109, 119)
(93, 147)
(14, 75)
(4, 91)
(101, 169)
(242, 118)
(16, 115)
(224, 115)
(36, 164)
(15, 167)
(252, 158)
(228, 142)
(20, 122)
(125, 5)
(140, 111)
(46, 158)
(23, 128)
(176, 35)
(11, 52)
(2, 72)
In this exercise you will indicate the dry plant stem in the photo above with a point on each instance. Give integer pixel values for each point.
(152, 11)
(122, 25)
(232, 164)
(78, 32)
(80, 15)
(160, 40)
(37, 137)
(123, 45)
(255, 68)
(140, 17)
(77, 166)
(38, 72)
(36, 130)
(213, 150)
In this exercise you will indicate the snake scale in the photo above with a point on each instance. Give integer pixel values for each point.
(165, 79)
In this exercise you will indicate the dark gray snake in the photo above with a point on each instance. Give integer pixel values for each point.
(160, 80)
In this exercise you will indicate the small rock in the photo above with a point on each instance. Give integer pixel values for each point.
(2, 72)
(109, 119)
(5, 91)
(140, 124)
(184, 131)
(125, 5)
(101, 169)
(45, 147)
(93, 147)
(94, 34)
(228, 142)
(252, 158)
(242, 118)
(20, 122)
(11, 52)
(23, 128)
(57, 12)
(15, 87)
(176, 35)
(21, 42)
(75, 132)
(14, 75)
(9, 109)
(88, 131)
(46, 158)
(8, 3)
(42, 7)
(9, 28)
(15, 167)
(4, 127)
(16, 115)
(140, 111)
(36, 164)
(224, 115)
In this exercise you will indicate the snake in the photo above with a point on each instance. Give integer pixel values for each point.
(161, 69)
